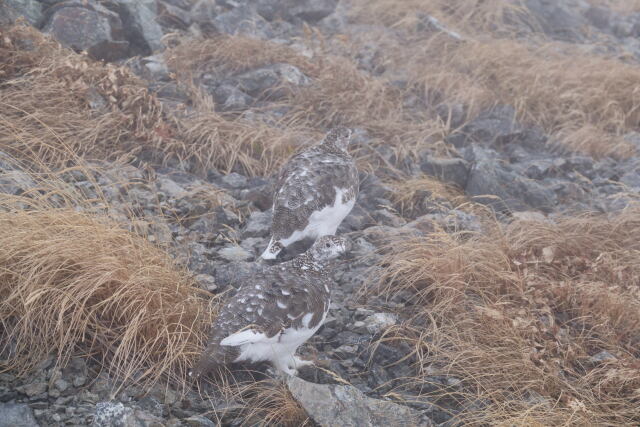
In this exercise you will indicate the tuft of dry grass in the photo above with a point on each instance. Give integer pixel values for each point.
(585, 102)
(412, 196)
(225, 55)
(620, 6)
(338, 94)
(466, 17)
(55, 104)
(270, 403)
(518, 314)
(210, 139)
(75, 284)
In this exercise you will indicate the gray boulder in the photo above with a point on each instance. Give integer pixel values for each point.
(271, 81)
(140, 26)
(30, 9)
(449, 170)
(174, 14)
(558, 19)
(16, 415)
(242, 20)
(340, 405)
(307, 10)
(498, 185)
(496, 126)
(94, 29)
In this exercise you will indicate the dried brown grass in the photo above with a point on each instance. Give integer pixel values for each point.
(270, 403)
(230, 143)
(224, 55)
(339, 94)
(585, 102)
(517, 314)
(465, 16)
(412, 196)
(55, 104)
(74, 284)
(621, 6)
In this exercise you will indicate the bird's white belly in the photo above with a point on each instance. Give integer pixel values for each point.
(324, 222)
(279, 346)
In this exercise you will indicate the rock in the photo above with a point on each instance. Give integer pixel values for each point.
(206, 282)
(235, 253)
(258, 225)
(96, 30)
(199, 421)
(34, 388)
(139, 24)
(340, 405)
(379, 322)
(495, 184)
(16, 415)
(8, 15)
(270, 82)
(112, 414)
(603, 356)
(600, 17)
(61, 385)
(30, 9)
(174, 16)
(242, 20)
(558, 19)
(496, 126)
(15, 182)
(453, 171)
(307, 10)
(388, 218)
(228, 97)
(155, 68)
(235, 180)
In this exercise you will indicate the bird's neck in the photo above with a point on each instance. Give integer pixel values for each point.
(331, 147)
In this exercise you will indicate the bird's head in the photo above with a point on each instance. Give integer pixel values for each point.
(339, 137)
(328, 247)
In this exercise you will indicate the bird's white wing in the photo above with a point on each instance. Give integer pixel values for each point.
(246, 336)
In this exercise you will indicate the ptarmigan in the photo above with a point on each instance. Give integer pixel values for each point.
(274, 312)
(316, 190)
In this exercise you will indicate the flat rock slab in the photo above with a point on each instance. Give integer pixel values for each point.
(340, 405)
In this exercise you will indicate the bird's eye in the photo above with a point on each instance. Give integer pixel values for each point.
(327, 245)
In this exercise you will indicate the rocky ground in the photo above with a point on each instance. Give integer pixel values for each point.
(216, 221)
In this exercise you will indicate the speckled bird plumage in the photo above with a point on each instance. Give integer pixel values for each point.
(274, 312)
(315, 191)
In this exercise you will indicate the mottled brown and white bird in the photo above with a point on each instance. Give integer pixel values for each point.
(274, 312)
(315, 191)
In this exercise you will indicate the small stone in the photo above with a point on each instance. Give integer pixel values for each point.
(79, 380)
(234, 254)
(603, 356)
(258, 225)
(206, 282)
(378, 322)
(345, 350)
(454, 382)
(34, 389)
(61, 384)
(452, 171)
(199, 421)
(235, 180)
